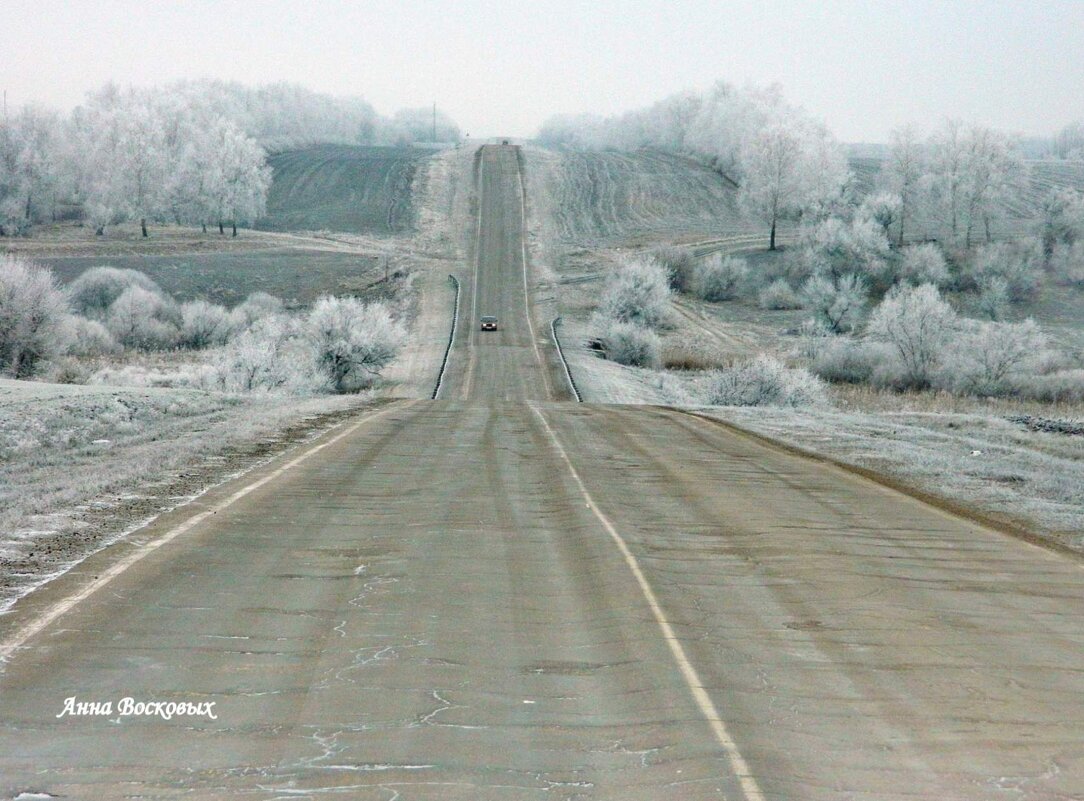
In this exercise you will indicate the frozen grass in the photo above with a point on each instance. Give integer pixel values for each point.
(980, 460)
(69, 452)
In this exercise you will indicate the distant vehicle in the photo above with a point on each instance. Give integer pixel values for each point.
(489, 323)
(505, 142)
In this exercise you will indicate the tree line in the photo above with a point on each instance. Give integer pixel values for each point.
(954, 184)
(190, 153)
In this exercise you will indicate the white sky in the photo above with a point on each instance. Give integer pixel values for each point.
(503, 67)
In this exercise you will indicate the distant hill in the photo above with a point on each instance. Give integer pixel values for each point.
(350, 189)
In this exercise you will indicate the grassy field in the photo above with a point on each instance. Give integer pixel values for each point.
(343, 188)
(296, 276)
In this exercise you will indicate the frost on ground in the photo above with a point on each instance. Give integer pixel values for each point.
(71, 458)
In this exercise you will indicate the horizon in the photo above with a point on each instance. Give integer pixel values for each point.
(501, 71)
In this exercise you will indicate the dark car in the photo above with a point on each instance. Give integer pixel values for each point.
(489, 323)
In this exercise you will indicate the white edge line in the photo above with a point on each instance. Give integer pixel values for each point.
(750, 787)
(43, 621)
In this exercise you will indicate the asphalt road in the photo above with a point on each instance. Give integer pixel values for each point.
(501, 596)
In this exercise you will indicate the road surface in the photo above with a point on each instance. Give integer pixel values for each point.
(498, 595)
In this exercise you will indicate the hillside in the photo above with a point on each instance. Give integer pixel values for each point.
(350, 189)
(610, 195)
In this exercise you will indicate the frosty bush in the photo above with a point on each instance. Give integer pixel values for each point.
(204, 324)
(637, 293)
(352, 341)
(923, 264)
(95, 290)
(838, 304)
(993, 300)
(83, 337)
(1019, 264)
(144, 320)
(989, 358)
(257, 306)
(917, 324)
(1067, 263)
(847, 361)
(628, 343)
(269, 357)
(836, 248)
(719, 277)
(765, 381)
(1062, 386)
(32, 316)
(679, 263)
(778, 296)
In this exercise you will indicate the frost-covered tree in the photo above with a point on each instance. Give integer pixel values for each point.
(903, 170)
(993, 174)
(32, 314)
(917, 324)
(29, 168)
(947, 172)
(240, 176)
(1062, 218)
(789, 167)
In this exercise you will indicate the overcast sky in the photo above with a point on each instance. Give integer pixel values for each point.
(503, 67)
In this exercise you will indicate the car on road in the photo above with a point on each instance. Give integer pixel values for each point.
(489, 323)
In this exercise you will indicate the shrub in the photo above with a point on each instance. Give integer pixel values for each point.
(993, 299)
(83, 337)
(1063, 386)
(882, 208)
(778, 296)
(1019, 264)
(916, 323)
(679, 263)
(32, 316)
(765, 382)
(96, 289)
(1067, 263)
(144, 320)
(838, 304)
(269, 356)
(628, 343)
(924, 264)
(836, 248)
(204, 324)
(352, 341)
(637, 293)
(847, 361)
(987, 358)
(718, 277)
(257, 306)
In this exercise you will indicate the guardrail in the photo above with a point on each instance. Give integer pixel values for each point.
(451, 339)
(564, 363)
